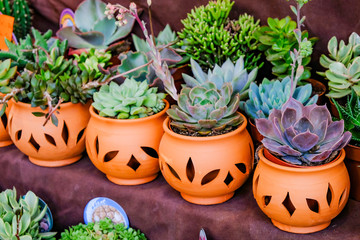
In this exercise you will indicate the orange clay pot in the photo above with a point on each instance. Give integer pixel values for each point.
(5, 139)
(301, 200)
(256, 136)
(125, 149)
(49, 145)
(206, 170)
(352, 163)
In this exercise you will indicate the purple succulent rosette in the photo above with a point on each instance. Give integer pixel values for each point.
(302, 135)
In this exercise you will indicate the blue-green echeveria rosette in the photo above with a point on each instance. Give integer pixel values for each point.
(272, 95)
(205, 109)
(302, 135)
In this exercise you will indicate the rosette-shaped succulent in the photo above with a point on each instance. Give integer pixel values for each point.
(236, 74)
(272, 95)
(302, 135)
(205, 109)
(130, 100)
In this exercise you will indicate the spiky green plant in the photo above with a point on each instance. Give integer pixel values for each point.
(104, 229)
(56, 81)
(350, 113)
(20, 218)
(236, 74)
(6, 72)
(21, 13)
(210, 37)
(205, 109)
(32, 52)
(130, 100)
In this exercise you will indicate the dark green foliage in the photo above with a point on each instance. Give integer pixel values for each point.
(104, 230)
(277, 40)
(350, 113)
(30, 52)
(210, 37)
(21, 12)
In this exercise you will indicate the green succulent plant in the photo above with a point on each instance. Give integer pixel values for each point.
(32, 52)
(104, 229)
(342, 66)
(20, 218)
(236, 74)
(56, 80)
(350, 113)
(205, 109)
(130, 100)
(6, 72)
(278, 40)
(19, 9)
(93, 29)
(210, 37)
(269, 95)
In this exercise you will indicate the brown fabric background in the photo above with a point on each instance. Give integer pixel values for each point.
(156, 208)
(325, 18)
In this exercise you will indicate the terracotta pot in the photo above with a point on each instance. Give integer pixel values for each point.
(301, 200)
(49, 145)
(319, 88)
(206, 170)
(5, 139)
(333, 109)
(352, 163)
(125, 150)
(256, 136)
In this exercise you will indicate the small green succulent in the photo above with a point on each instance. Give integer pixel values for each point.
(130, 100)
(104, 230)
(278, 40)
(342, 66)
(236, 74)
(6, 72)
(19, 9)
(350, 113)
(210, 37)
(33, 52)
(20, 218)
(269, 95)
(93, 28)
(205, 109)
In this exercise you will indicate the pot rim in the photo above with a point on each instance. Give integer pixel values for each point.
(241, 128)
(332, 164)
(137, 120)
(28, 105)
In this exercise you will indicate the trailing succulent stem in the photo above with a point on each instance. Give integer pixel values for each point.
(210, 37)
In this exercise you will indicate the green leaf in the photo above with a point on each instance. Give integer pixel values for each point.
(38, 114)
(54, 119)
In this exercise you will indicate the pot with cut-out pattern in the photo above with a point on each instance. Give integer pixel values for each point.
(301, 200)
(206, 170)
(5, 139)
(49, 145)
(126, 150)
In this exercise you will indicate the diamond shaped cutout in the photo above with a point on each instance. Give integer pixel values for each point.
(289, 205)
(241, 167)
(34, 143)
(133, 163)
(228, 179)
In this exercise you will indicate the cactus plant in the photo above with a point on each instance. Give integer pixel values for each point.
(277, 40)
(206, 110)
(20, 219)
(273, 94)
(236, 74)
(30, 52)
(94, 29)
(302, 135)
(21, 13)
(210, 37)
(104, 229)
(350, 113)
(130, 100)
